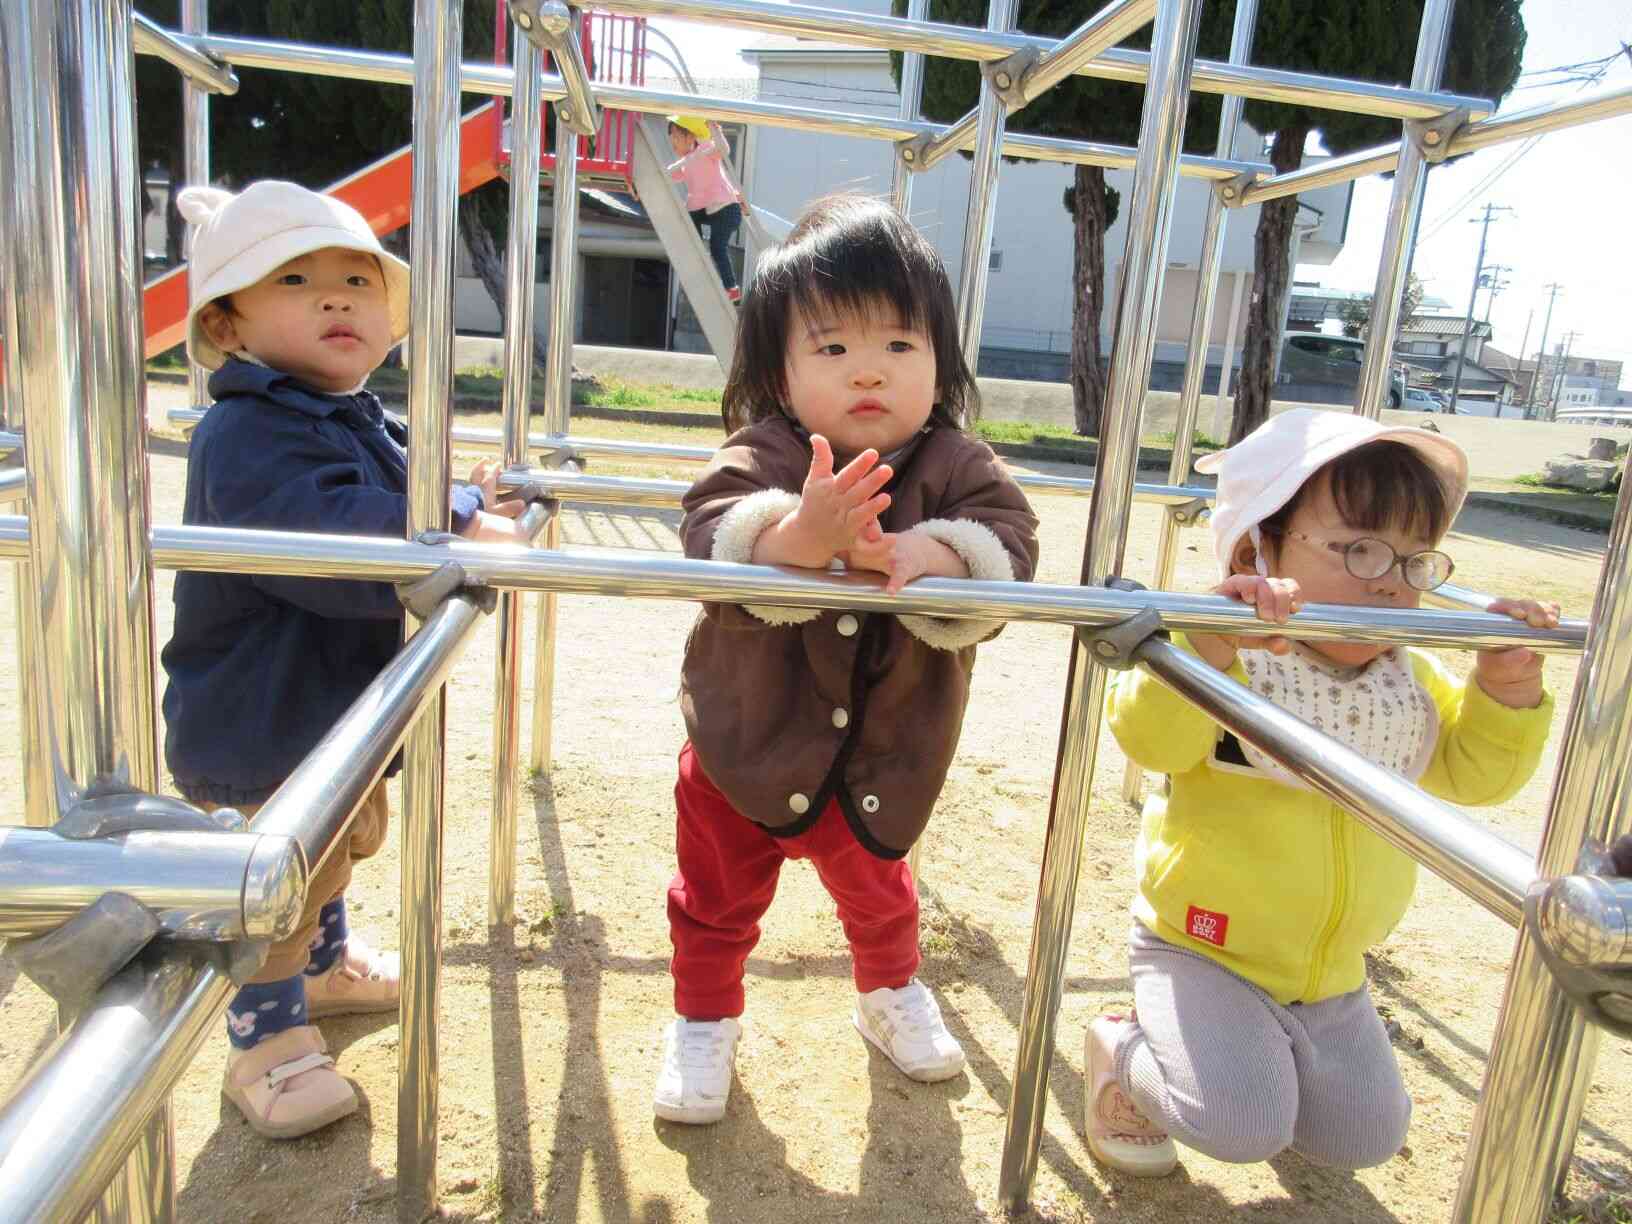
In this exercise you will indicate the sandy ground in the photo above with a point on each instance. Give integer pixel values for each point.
(550, 1029)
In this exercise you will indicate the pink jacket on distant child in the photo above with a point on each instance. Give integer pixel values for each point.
(703, 173)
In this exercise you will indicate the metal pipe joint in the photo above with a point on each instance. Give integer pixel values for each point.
(1433, 137)
(552, 26)
(1009, 77)
(1116, 645)
(1582, 925)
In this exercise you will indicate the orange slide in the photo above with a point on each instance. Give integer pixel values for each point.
(381, 192)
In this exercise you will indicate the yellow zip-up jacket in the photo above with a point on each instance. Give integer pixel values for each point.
(1276, 883)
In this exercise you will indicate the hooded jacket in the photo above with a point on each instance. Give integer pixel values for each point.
(1276, 883)
(261, 666)
(791, 708)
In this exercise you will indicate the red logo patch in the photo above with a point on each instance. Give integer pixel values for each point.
(1206, 925)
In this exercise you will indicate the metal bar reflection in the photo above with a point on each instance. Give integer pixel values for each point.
(1213, 228)
(1400, 232)
(199, 69)
(1543, 1050)
(195, 125)
(1161, 134)
(557, 418)
(433, 239)
(486, 79)
(980, 213)
(912, 93)
(521, 289)
(375, 559)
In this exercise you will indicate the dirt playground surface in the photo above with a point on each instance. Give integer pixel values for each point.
(551, 1029)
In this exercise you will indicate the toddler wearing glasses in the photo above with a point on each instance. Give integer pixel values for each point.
(1258, 897)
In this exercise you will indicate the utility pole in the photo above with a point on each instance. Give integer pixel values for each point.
(1494, 284)
(1562, 374)
(1473, 297)
(1541, 351)
(1523, 344)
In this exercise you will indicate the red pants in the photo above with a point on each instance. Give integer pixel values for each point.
(727, 877)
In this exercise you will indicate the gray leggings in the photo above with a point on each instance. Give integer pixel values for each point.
(1230, 1072)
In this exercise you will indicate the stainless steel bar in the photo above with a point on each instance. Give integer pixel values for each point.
(94, 1089)
(521, 266)
(72, 254)
(1473, 860)
(1099, 33)
(1452, 596)
(557, 420)
(912, 94)
(1404, 214)
(438, 27)
(10, 441)
(1134, 67)
(1542, 1053)
(199, 69)
(1213, 228)
(980, 213)
(201, 886)
(372, 558)
(13, 485)
(487, 79)
(90, 1093)
(1161, 134)
(195, 124)
(316, 802)
(1498, 129)
(555, 27)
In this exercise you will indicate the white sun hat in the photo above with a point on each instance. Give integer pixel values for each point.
(1263, 471)
(242, 238)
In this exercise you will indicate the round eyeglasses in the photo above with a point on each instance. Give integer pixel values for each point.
(1369, 558)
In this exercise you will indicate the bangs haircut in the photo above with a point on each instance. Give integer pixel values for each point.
(850, 258)
(1377, 486)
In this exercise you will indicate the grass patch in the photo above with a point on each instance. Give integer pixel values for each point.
(1531, 480)
(1023, 433)
(1605, 1208)
(1201, 442)
(612, 392)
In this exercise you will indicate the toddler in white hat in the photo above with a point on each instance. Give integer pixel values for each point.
(294, 305)
(1253, 1030)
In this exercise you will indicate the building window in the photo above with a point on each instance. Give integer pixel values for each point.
(995, 263)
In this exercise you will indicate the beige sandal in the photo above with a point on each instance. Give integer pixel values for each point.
(287, 1085)
(360, 981)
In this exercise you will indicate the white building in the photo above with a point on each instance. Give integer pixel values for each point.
(1027, 323)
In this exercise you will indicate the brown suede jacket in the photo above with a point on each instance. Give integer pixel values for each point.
(790, 708)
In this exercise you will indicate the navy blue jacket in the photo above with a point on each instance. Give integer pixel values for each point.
(261, 667)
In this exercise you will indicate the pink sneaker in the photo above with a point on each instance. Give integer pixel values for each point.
(361, 981)
(1119, 1134)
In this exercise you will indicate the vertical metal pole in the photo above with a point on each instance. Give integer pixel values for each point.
(1404, 214)
(71, 240)
(1201, 330)
(912, 92)
(1220, 425)
(1541, 352)
(1150, 218)
(1542, 1054)
(557, 411)
(522, 259)
(438, 29)
(981, 217)
(195, 116)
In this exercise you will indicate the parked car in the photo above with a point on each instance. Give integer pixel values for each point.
(1312, 357)
(1420, 399)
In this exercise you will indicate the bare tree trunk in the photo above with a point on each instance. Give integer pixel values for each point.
(484, 253)
(1091, 217)
(1271, 280)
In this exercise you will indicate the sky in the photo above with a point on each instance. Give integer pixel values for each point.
(1570, 194)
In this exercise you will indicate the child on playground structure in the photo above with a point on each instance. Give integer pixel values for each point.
(294, 304)
(1253, 1030)
(710, 198)
(828, 735)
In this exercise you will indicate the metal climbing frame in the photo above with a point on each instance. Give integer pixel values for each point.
(91, 1118)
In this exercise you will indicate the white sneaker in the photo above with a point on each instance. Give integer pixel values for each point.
(906, 1024)
(695, 1081)
(1119, 1134)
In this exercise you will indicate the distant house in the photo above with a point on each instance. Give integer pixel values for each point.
(1433, 345)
